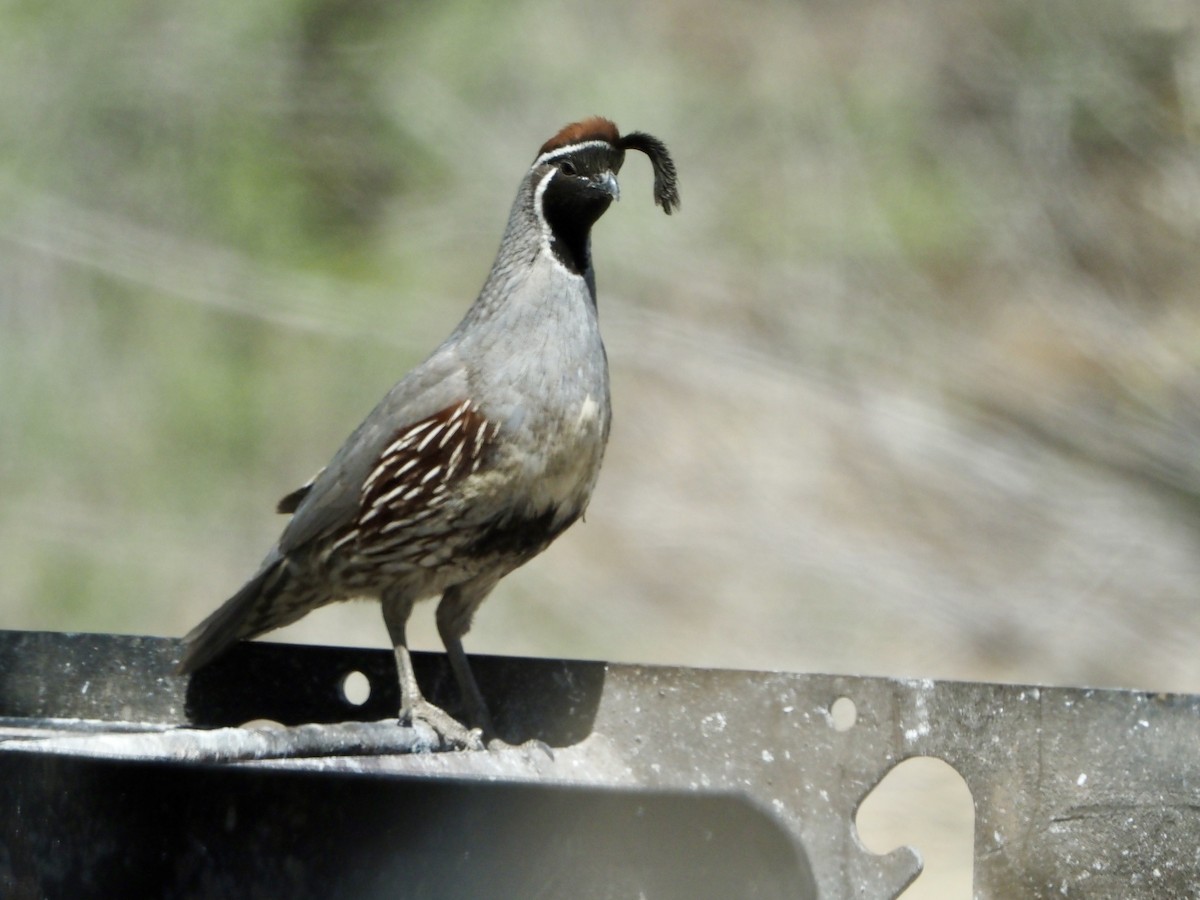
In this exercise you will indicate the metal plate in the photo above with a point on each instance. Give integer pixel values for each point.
(1088, 792)
(78, 827)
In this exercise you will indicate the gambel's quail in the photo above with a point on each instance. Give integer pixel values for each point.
(478, 458)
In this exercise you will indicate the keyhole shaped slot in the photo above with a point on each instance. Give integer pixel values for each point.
(924, 803)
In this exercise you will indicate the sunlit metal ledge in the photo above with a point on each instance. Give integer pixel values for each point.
(620, 779)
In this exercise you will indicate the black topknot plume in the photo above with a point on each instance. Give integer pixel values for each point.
(666, 188)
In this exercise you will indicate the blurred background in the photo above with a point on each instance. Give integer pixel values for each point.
(910, 385)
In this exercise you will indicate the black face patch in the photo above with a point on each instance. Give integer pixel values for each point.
(576, 196)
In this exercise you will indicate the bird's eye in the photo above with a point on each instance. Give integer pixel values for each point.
(567, 167)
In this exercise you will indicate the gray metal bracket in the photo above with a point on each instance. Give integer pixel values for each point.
(1084, 792)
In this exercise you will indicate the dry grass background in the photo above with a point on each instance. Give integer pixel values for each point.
(909, 387)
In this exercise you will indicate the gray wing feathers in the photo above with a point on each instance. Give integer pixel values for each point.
(333, 498)
(329, 502)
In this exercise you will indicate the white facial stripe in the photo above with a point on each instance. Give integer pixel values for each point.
(538, 194)
(570, 148)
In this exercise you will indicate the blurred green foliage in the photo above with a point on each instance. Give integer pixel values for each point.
(227, 228)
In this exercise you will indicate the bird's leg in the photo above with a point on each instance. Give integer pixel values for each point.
(413, 705)
(454, 614)
(477, 711)
(396, 611)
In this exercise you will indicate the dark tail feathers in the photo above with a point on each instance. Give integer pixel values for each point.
(244, 615)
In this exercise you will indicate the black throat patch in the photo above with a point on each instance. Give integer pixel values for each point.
(571, 210)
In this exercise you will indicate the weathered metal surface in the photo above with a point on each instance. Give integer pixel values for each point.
(1077, 792)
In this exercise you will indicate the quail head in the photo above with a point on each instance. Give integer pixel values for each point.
(479, 457)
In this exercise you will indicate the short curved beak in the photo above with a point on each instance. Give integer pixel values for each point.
(608, 183)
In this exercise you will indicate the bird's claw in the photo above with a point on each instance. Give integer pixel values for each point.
(452, 733)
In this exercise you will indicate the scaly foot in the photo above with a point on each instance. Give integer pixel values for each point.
(454, 735)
